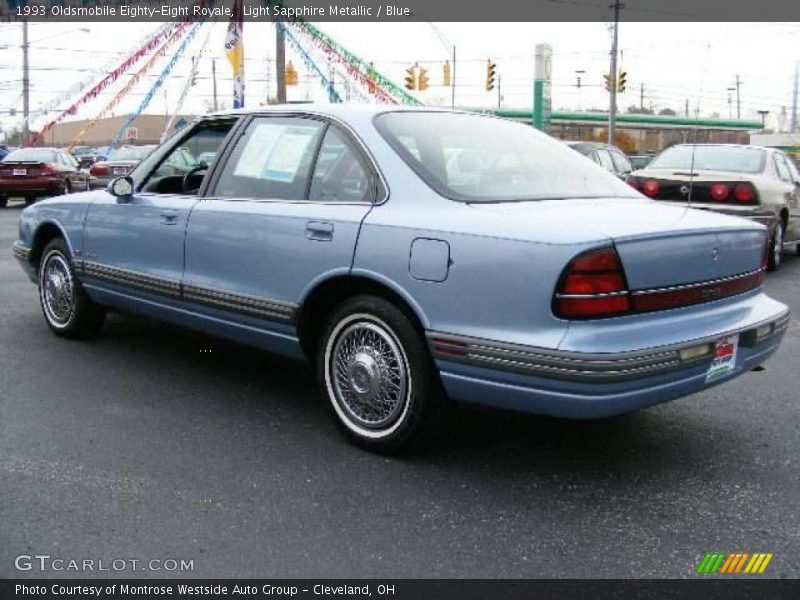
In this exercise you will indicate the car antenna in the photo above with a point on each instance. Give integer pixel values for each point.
(697, 126)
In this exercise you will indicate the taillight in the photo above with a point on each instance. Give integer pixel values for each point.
(650, 187)
(98, 170)
(49, 170)
(719, 191)
(593, 285)
(743, 193)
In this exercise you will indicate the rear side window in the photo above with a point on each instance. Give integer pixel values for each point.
(620, 162)
(272, 160)
(605, 159)
(339, 173)
(782, 168)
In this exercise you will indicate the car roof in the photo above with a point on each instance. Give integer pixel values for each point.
(745, 146)
(339, 110)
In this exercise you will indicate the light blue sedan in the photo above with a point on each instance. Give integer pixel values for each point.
(415, 256)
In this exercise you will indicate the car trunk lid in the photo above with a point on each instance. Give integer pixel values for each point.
(659, 245)
(22, 169)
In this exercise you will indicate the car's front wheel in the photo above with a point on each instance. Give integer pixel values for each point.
(378, 376)
(776, 247)
(67, 309)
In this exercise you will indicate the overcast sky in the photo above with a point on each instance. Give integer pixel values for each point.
(674, 62)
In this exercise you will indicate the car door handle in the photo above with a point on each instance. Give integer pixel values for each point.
(169, 217)
(319, 230)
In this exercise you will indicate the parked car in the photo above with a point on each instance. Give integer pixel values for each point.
(119, 162)
(340, 234)
(607, 156)
(85, 155)
(758, 183)
(35, 172)
(639, 161)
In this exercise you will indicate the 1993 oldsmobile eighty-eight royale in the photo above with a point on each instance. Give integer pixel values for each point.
(415, 256)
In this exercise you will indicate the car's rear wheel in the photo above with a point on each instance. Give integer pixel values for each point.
(3, 201)
(66, 188)
(67, 309)
(776, 247)
(29, 200)
(378, 376)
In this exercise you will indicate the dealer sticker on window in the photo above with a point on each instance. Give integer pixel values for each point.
(724, 359)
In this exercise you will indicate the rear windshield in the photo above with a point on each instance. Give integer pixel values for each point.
(475, 158)
(711, 158)
(31, 155)
(130, 153)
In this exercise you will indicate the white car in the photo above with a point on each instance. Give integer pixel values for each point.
(761, 184)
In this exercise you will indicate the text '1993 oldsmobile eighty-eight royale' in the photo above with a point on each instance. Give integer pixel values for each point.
(415, 256)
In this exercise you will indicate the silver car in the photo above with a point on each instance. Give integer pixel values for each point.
(119, 163)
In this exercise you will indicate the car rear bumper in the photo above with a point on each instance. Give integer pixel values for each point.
(96, 183)
(33, 186)
(596, 384)
(758, 214)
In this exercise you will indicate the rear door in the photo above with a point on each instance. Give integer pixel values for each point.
(136, 242)
(284, 212)
(789, 176)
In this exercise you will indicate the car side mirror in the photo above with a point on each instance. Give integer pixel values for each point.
(121, 187)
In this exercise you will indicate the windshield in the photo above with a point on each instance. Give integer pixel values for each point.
(711, 158)
(130, 153)
(474, 158)
(31, 155)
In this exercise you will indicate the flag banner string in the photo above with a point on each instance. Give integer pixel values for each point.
(352, 74)
(333, 95)
(87, 81)
(190, 81)
(358, 65)
(101, 85)
(131, 83)
(156, 85)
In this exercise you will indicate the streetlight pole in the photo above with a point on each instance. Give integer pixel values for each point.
(612, 109)
(26, 83)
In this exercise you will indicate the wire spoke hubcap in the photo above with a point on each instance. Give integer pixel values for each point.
(57, 289)
(369, 375)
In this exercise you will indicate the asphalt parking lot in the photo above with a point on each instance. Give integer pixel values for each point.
(150, 442)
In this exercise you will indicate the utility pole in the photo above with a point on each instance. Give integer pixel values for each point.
(280, 63)
(641, 97)
(686, 110)
(738, 98)
(26, 83)
(214, 81)
(612, 110)
(793, 117)
(453, 81)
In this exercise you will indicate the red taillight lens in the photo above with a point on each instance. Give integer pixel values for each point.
(593, 285)
(719, 191)
(48, 170)
(650, 187)
(98, 170)
(743, 193)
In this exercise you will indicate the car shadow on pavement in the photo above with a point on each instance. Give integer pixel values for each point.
(658, 439)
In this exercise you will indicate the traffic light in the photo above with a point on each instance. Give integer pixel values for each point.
(623, 79)
(422, 79)
(411, 78)
(446, 74)
(609, 81)
(491, 74)
(290, 75)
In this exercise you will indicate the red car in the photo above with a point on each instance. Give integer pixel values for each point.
(34, 172)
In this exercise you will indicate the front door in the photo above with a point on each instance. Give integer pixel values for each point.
(136, 242)
(283, 214)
